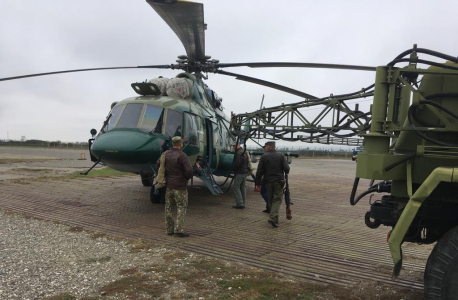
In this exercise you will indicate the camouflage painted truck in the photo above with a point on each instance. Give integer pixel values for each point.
(412, 147)
(410, 154)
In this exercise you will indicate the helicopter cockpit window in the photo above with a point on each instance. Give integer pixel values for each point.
(130, 116)
(174, 123)
(115, 113)
(191, 130)
(151, 119)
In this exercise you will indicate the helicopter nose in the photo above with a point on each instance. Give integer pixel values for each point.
(127, 146)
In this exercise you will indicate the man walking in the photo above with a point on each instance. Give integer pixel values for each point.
(240, 174)
(264, 196)
(264, 191)
(273, 167)
(178, 171)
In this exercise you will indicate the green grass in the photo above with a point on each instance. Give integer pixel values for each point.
(102, 172)
(266, 289)
(134, 287)
(8, 161)
(97, 173)
(323, 157)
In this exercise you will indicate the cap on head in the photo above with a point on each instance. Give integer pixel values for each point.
(177, 140)
(271, 144)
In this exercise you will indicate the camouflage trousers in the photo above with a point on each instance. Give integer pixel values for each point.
(175, 199)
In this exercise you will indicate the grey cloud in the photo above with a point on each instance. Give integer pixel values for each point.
(58, 35)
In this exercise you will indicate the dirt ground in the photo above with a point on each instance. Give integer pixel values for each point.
(325, 250)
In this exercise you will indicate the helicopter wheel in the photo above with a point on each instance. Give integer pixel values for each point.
(147, 180)
(157, 197)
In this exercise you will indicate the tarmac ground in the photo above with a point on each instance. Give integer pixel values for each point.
(326, 241)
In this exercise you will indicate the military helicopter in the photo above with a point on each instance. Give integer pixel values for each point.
(138, 129)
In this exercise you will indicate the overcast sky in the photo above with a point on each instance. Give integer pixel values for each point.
(52, 35)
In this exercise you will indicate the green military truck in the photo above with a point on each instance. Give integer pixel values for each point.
(411, 154)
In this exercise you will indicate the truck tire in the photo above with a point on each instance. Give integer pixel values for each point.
(147, 180)
(441, 273)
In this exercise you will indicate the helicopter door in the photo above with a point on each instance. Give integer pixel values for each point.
(210, 152)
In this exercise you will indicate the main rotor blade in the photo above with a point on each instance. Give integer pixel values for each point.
(186, 19)
(268, 84)
(296, 65)
(84, 70)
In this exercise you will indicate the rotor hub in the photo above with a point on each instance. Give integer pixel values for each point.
(196, 66)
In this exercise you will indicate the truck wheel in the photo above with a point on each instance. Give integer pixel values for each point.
(147, 180)
(441, 273)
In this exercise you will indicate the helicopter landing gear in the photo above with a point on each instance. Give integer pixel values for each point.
(147, 180)
(157, 196)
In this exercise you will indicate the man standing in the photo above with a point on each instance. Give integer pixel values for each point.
(240, 174)
(264, 192)
(178, 171)
(273, 167)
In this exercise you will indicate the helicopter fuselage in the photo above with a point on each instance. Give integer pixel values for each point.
(139, 129)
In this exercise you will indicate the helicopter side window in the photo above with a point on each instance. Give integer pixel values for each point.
(191, 130)
(115, 113)
(210, 96)
(151, 119)
(130, 116)
(174, 123)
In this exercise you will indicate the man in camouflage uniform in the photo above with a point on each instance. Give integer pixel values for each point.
(240, 173)
(178, 171)
(273, 167)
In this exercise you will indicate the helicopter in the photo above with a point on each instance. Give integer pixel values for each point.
(421, 119)
(138, 129)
